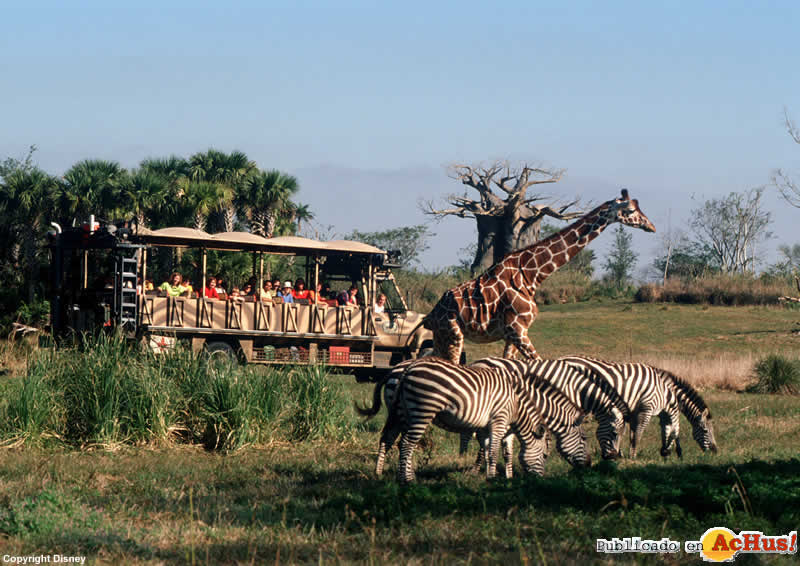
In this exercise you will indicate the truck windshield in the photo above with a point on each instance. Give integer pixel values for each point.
(393, 299)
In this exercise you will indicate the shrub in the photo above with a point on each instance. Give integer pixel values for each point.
(776, 374)
(721, 289)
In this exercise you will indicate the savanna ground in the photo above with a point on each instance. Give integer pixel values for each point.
(319, 501)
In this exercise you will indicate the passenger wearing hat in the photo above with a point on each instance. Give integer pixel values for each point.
(287, 292)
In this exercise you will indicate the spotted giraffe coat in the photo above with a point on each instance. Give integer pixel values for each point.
(500, 305)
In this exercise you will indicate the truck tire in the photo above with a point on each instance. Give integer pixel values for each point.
(220, 352)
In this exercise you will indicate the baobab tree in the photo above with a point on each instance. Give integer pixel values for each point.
(508, 219)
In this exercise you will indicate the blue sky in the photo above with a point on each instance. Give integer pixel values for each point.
(367, 102)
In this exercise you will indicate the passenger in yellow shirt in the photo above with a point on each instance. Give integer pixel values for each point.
(174, 287)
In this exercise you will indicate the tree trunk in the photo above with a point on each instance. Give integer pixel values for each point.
(498, 236)
(199, 221)
(485, 254)
(29, 253)
(228, 217)
(258, 223)
(270, 219)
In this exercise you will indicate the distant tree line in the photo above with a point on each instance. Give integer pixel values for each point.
(212, 191)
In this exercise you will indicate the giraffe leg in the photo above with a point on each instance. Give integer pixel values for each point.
(509, 352)
(517, 336)
(448, 340)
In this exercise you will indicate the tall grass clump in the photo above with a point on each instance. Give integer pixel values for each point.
(319, 407)
(108, 391)
(228, 410)
(776, 374)
(31, 409)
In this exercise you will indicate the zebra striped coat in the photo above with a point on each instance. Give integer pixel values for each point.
(558, 414)
(596, 398)
(695, 410)
(645, 392)
(457, 398)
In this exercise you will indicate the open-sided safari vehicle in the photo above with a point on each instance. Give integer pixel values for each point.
(99, 276)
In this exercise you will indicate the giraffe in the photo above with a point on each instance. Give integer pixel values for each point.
(500, 305)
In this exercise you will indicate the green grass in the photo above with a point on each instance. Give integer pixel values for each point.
(627, 330)
(306, 492)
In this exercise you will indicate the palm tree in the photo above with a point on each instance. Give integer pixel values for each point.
(93, 186)
(230, 170)
(301, 213)
(147, 195)
(202, 198)
(266, 196)
(174, 174)
(27, 199)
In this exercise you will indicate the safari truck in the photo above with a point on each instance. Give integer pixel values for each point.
(100, 277)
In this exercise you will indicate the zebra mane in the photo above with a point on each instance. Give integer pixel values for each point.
(688, 397)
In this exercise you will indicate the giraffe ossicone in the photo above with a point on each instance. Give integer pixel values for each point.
(500, 305)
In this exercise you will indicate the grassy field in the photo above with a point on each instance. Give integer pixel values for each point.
(318, 501)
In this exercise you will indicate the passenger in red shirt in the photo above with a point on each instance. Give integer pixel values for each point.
(210, 292)
(300, 291)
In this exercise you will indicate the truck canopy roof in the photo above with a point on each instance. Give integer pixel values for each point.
(233, 241)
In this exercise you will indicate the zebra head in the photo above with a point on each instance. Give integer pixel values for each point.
(571, 444)
(533, 455)
(703, 431)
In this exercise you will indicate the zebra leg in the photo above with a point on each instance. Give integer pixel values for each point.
(508, 455)
(639, 422)
(389, 434)
(463, 447)
(497, 431)
(669, 432)
(405, 466)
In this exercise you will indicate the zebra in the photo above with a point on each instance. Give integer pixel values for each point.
(457, 398)
(592, 397)
(559, 415)
(644, 391)
(695, 410)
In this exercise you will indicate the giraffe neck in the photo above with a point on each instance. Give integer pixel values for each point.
(541, 259)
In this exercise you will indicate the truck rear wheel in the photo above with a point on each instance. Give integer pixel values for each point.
(220, 352)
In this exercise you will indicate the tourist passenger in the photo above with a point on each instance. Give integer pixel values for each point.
(380, 304)
(352, 295)
(187, 284)
(211, 291)
(287, 292)
(267, 293)
(174, 286)
(300, 291)
(236, 295)
(221, 285)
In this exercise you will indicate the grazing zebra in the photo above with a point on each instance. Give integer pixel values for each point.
(645, 393)
(458, 398)
(558, 414)
(591, 396)
(695, 410)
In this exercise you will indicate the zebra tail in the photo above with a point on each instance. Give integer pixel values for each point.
(370, 412)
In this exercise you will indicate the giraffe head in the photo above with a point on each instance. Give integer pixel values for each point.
(626, 211)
